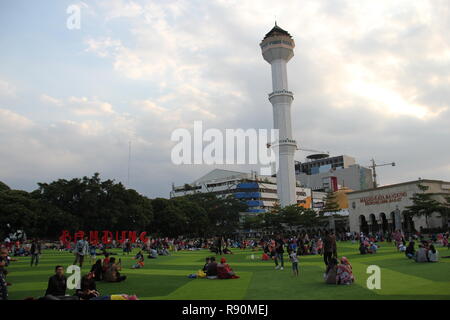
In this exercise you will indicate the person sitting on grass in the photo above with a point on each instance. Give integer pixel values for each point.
(207, 262)
(106, 262)
(211, 271)
(362, 248)
(88, 288)
(153, 253)
(113, 274)
(227, 251)
(97, 269)
(445, 242)
(224, 270)
(57, 286)
(203, 271)
(139, 261)
(433, 254)
(330, 275)
(373, 247)
(421, 254)
(410, 251)
(164, 252)
(344, 273)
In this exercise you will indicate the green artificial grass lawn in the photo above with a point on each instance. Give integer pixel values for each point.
(166, 277)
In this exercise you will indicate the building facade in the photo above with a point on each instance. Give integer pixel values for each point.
(259, 192)
(317, 174)
(383, 209)
(318, 163)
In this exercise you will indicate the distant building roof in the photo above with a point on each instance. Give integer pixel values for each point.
(277, 31)
(401, 184)
(219, 174)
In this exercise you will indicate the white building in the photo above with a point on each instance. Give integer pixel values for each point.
(259, 192)
(382, 209)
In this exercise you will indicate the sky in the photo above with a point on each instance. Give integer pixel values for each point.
(371, 79)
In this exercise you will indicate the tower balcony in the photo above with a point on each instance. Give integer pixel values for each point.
(281, 96)
(284, 142)
(281, 93)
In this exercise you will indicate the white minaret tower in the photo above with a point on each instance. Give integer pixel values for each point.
(277, 49)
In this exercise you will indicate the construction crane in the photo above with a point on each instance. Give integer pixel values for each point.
(374, 172)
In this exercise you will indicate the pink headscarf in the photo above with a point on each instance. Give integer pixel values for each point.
(345, 261)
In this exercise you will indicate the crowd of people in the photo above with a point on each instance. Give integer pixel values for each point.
(213, 270)
(57, 287)
(275, 248)
(426, 251)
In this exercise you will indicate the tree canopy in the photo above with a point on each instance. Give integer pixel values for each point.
(283, 219)
(423, 204)
(89, 203)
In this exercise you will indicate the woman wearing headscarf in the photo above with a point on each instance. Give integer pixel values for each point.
(224, 270)
(344, 272)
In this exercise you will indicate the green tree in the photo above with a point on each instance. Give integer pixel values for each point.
(197, 222)
(331, 204)
(423, 204)
(91, 204)
(19, 211)
(253, 222)
(291, 216)
(4, 187)
(296, 216)
(169, 219)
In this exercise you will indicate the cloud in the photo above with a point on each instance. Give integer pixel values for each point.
(85, 106)
(370, 79)
(80, 106)
(7, 89)
(120, 9)
(10, 120)
(105, 47)
(50, 100)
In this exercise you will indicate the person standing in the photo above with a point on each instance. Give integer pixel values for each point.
(279, 252)
(81, 249)
(4, 262)
(35, 252)
(329, 247)
(219, 245)
(294, 260)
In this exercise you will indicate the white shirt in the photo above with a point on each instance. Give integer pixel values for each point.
(434, 257)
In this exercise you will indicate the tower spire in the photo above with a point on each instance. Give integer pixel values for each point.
(277, 49)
